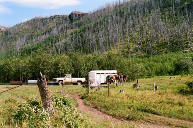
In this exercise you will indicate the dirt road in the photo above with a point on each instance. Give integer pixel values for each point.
(96, 113)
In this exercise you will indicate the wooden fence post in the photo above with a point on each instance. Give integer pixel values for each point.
(45, 95)
(155, 88)
(62, 89)
(108, 89)
(99, 87)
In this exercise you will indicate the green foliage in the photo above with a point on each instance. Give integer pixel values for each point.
(185, 66)
(46, 45)
(77, 64)
(69, 114)
(32, 115)
(187, 89)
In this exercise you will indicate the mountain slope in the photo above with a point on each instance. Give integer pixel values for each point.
(142, 27)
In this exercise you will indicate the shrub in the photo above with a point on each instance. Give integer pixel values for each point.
(184, 66)
(188, 89)
(32, 115)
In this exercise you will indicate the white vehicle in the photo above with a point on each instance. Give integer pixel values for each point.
(68, 79)
(32, 81)
(98, 77)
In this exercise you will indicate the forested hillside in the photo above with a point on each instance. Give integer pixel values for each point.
(137, 27)
(139, 38)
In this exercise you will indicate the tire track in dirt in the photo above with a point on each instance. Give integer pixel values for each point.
(96, 113)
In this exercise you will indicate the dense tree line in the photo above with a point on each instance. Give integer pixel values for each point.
(78, 64)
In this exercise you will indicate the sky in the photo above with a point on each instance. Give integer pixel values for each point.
(13, 12)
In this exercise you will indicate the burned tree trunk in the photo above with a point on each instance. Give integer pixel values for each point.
(45, 95)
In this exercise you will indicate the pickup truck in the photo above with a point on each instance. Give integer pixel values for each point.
(68, 79)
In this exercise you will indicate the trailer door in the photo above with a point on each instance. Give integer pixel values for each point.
(98, 79)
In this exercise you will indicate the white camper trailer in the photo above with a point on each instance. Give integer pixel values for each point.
(98, 77)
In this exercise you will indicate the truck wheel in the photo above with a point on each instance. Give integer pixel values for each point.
(79, 82)
(60, 82)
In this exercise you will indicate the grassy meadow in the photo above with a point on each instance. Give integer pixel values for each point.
(11, 100)
(133, 104)
(144, 104)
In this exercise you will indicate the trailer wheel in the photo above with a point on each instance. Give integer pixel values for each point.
(79, 82)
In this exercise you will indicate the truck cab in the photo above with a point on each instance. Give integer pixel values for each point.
(68, 79)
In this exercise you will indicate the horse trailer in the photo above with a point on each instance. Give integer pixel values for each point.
(98, 77)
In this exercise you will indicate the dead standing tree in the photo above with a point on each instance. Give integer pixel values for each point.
(45, 95)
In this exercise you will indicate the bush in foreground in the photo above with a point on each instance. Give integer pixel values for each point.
(32, 115)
